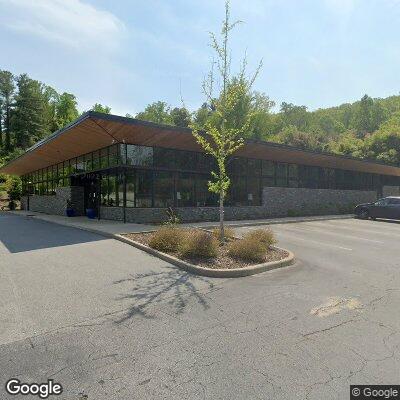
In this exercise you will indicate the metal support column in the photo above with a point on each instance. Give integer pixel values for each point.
(124, 196)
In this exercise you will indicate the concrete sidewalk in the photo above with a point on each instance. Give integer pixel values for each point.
(109, 228)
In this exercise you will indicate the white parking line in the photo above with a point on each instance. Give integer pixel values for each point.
(314, 241)
(317, 230)
(358, 228)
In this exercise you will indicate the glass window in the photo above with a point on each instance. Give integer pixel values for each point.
(139, 155)
(237, 166)
(120, 189)
(80, 164)
(143, 183)
(205, 162)
(104, 190)
(268, 181)
(73, 165)
(253, 167)
(89, 161)
(113, 198)
(122, 153)
(163, 189)
(185, 190)
(203, 196)
(104, 158)
(114, 155)
(253, 191)
(237, 194)
(281, 174)
(394, 201)
(293, 172)
(164, 158)
(268, 168)
(186, 160)
(130, 189)
(96, 160)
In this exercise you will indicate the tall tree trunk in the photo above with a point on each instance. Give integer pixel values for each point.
(7, 126)
(221, 216)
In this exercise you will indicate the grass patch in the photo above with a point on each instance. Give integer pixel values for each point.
(198, 243)
(166, 239)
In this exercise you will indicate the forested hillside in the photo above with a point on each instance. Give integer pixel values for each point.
(369, 128)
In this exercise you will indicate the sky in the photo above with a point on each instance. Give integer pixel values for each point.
(129, 53)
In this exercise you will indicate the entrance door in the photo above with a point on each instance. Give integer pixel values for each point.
(92, 193)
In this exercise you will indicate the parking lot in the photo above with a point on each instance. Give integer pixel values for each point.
(103, 318)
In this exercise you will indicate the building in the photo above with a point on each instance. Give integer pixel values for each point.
(133, 170)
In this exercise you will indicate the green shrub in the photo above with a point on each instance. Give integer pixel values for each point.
(228, 232)
(166, 238)
(198, 243)
(14, 188)
(265, 236)
(248, 249)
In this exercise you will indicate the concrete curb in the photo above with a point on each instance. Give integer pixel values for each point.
(274, 221)
(210, 272)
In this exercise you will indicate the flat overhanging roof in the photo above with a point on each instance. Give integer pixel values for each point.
(93, 131)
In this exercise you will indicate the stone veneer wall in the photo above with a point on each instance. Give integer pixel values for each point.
(301, 201)
(277, 202)
(186, 214)
(390, 191)
(56, 204)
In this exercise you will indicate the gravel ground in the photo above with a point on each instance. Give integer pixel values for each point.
(222, 261)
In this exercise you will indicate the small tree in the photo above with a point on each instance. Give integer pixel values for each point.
(14, 190)
(223, 132)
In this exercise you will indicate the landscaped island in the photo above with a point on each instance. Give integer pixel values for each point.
(204, 249)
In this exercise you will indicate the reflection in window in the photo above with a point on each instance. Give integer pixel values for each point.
(96, 160)
(203, 196)
(268, 168)
(113, 199)
(163, 189)
(281, 174)
(186, 160)
(139, 155)
(104, 190)
(130, 189)
(164, 158)
(113, 156)
(253, 167)
(253, 192)
(185, 190)
(237, 194)
(143, 183)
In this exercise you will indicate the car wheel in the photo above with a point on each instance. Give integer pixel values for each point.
(364, 214)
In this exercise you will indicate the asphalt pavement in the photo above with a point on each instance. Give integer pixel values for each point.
(106, 319)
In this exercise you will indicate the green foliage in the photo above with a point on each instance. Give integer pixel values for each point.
(14, 188)
(222, 130)
(384, 144)
(166, 238)
(101, 109)
(158, 112)
(199, 243)
(66, 110)
(180, 117)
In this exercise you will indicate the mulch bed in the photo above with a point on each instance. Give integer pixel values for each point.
(222, 261)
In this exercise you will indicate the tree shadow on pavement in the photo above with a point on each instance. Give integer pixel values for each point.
(172, 286)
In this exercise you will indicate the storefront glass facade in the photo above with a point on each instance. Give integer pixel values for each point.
(140, 176)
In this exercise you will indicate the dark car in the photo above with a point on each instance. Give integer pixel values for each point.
(388, 207)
